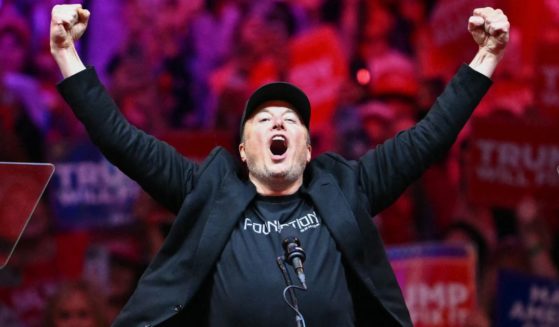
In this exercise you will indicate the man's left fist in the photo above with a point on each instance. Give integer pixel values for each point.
(490, 29)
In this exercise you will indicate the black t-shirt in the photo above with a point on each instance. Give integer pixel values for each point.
(248, 285)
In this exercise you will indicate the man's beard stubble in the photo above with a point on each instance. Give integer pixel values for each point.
(284, 177)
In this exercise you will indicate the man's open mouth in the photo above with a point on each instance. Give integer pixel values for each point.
(278, 145)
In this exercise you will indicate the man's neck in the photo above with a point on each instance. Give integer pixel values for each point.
(276, 187)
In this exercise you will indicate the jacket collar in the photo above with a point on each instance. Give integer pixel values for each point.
(232, 199)
(337, 215)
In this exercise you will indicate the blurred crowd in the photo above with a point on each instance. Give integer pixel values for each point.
(188, 66)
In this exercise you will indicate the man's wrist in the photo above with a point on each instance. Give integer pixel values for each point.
(485, 62)
(68, 60)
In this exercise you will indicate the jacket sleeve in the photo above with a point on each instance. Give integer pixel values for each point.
(161, 171)
(386, 171)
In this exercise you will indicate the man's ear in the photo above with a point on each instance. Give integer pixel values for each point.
(242, 152)
(309, 153)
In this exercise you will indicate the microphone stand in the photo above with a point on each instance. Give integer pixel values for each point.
(289, 287)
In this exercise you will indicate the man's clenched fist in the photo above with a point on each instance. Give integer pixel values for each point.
(68, 22)
(490, 29)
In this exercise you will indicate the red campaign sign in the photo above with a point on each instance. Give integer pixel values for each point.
(318, 65)
(510, 159)
(546, 86)
(438, 282)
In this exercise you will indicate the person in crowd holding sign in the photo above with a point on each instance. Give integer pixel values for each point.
(217, 266)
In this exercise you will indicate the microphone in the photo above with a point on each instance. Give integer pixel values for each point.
(295, 256)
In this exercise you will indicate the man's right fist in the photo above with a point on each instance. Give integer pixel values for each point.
(68, 22)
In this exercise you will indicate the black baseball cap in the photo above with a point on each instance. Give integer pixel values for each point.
(282, 91)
